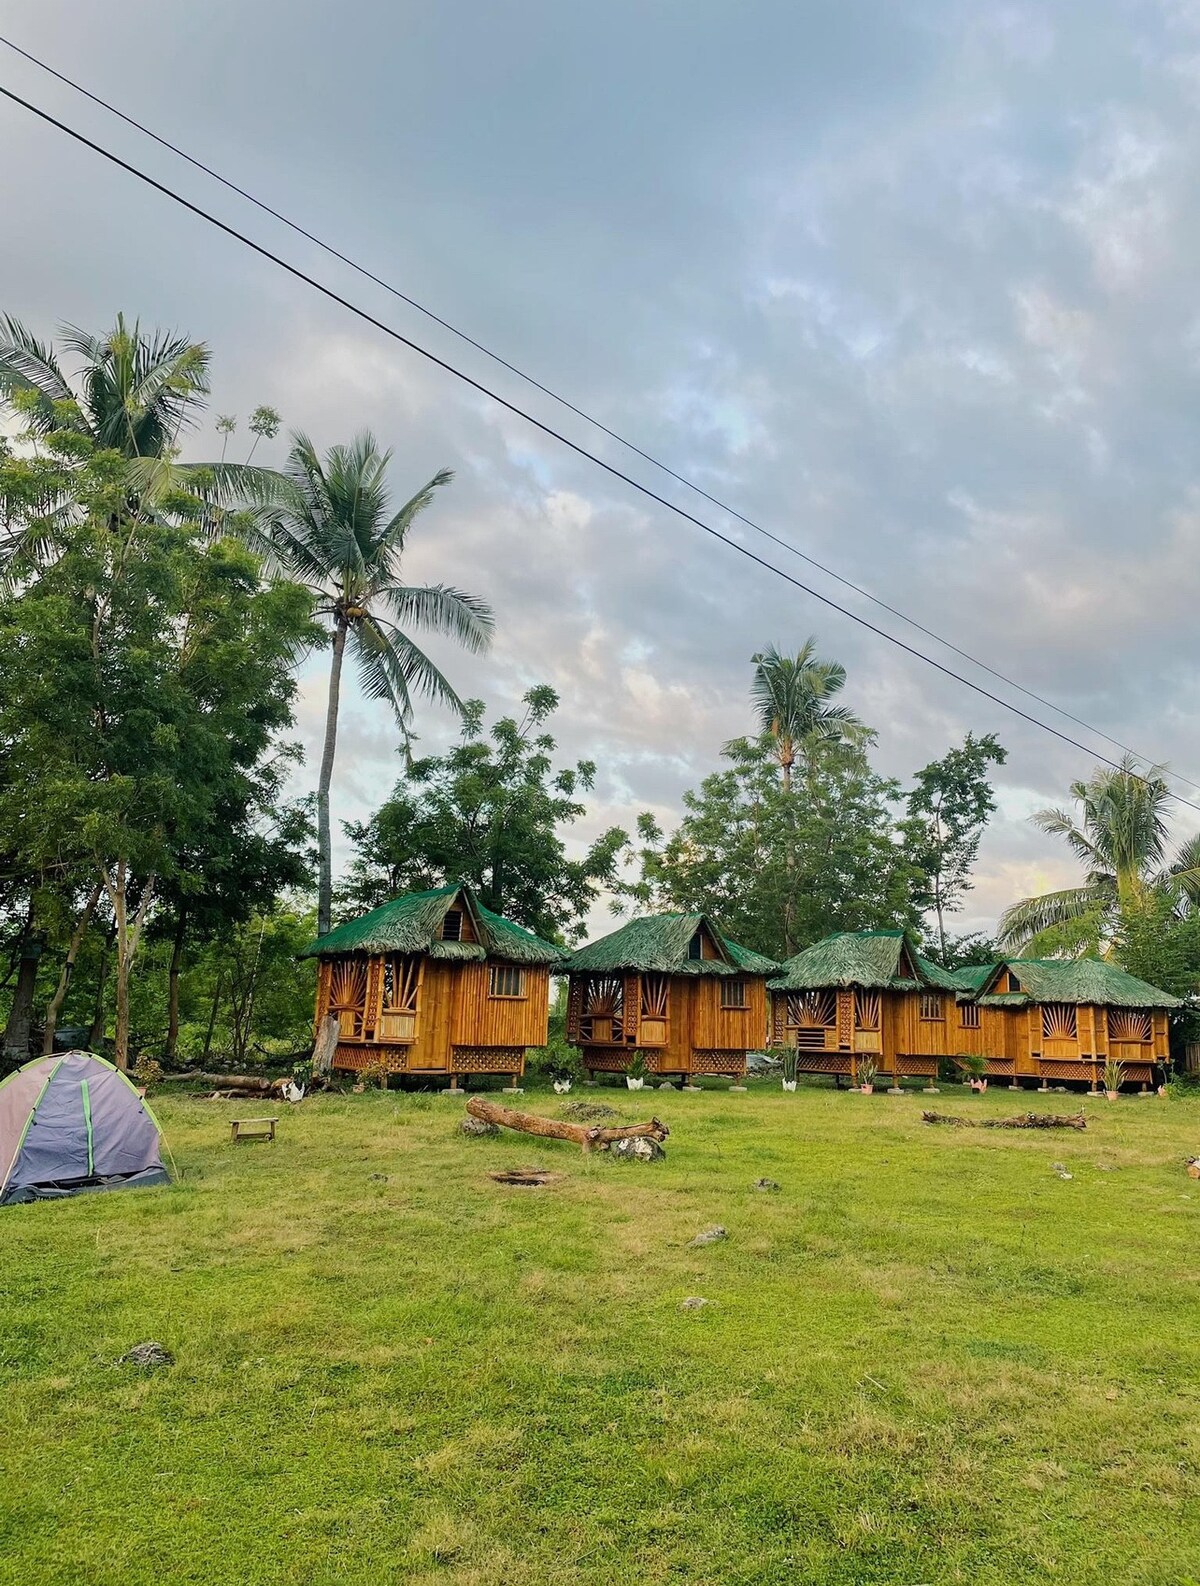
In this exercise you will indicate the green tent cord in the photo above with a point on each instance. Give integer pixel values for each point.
(87, 1118)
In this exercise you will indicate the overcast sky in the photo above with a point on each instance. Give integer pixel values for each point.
(913, 285)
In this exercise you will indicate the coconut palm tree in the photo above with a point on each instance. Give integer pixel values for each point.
(1121, 839)
(791, 694)
(329, 524)
(135, 393)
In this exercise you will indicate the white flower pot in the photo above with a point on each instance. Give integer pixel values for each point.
(562, 1086)
(634, 1084)
(790, 1084)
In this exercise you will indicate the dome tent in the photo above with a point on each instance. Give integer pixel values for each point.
(71, 1124)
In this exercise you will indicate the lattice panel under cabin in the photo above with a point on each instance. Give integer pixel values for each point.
(488, 1059)
(822, 1062)
(710, 1062)
(357, 1059)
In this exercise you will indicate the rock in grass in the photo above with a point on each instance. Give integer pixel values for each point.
(477, 1126)
(765, 1184)
(588, 1111)
(639, 1149)
(695, 1303)
(149, 1356)
(710, 1236)
(1060, 1169)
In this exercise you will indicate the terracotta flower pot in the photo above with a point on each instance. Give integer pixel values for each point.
(867, 1090)
(1112, 1094)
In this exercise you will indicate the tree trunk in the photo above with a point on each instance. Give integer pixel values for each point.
(20, 1015)
(324, 844)
(68, 969)
(555, 1129)
(325, 1045)
(172, 1041)
(96, 1034)
(129, 932)
(212, 1015)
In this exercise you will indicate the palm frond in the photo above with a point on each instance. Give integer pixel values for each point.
(1026, 919)
(27, 365)
(440, 609)
(393, 533)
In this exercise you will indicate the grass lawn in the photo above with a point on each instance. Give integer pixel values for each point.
(928, 1358)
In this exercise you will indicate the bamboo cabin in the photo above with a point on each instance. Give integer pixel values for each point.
(671, 988)
(434, 984)
(1056, 1020)
(864, 995)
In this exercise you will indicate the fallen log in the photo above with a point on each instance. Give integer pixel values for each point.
(1023, 1120)
(588, 1139)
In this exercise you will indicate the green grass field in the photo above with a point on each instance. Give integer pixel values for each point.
(928, 1358)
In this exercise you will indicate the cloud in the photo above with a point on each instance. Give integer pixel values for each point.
(912, 286)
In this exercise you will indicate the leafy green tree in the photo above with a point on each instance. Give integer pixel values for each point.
(147, 677)
(330, 524)
(791, 695)
(1121, 839)
(948, 809)
(777, 869)
(491, 812)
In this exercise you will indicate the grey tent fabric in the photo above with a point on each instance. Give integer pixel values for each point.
(72, 1124)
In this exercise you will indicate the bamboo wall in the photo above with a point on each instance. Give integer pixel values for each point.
(696, 1036)
(457, 1026)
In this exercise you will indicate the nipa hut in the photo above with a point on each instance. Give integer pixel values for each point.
(671, 988)
(434, 983)
(1057, 1020)
(864, 995)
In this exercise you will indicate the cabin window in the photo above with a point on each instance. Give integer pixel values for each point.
(506, 981)
(931, 1007)
(654, 996)
(733, 993)
(348, 996)
(968, 1015)
(811, 1014)
(1058, 1021)
(1129, 1024)
(400, 980)
(452, 926)
(868, 1010)
(696, 946)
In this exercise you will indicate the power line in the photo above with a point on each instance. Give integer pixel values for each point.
(572, 407)
(546, 429)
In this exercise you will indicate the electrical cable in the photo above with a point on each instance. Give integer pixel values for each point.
(547, 429)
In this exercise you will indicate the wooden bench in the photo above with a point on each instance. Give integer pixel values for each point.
(252, 1128)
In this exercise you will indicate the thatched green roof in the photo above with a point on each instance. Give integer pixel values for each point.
(970, 977)
(411, 924)
(1085, 980)
(870, 959)
(658, 944)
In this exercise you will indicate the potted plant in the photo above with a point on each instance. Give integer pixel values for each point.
(787, 1058)
(868, 1069)
(1114, 1076)
(974, 1068)
(635, 1074)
